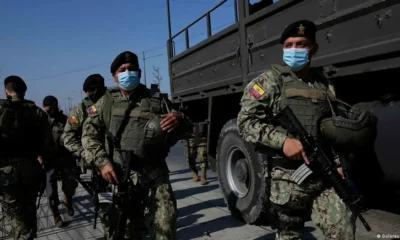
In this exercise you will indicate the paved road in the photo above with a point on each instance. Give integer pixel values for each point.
(201, 210)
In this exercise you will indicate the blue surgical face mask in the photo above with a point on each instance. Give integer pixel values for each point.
(296, 58)
(128, 80)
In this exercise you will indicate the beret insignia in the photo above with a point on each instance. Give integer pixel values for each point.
(301, 30)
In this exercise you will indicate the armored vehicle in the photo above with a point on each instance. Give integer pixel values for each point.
(359, 50)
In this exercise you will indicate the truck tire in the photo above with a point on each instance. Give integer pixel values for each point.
(241, 176)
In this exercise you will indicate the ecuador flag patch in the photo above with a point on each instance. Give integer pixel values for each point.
(257, 91)
(73, 120)
(92, 110)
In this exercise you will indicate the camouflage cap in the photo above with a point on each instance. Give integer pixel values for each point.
(16, 83)
(122, 58)
(302, 28)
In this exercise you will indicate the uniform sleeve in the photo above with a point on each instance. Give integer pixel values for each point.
(260, 100)
(72, 132)
(47, 144)
(93, 136)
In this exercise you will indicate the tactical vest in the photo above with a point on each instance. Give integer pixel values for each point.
(19, 129)
(308, 102)
(133, 135)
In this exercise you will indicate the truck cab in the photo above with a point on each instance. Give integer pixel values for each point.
(359, 51)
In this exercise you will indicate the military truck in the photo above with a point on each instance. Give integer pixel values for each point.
(359, 50)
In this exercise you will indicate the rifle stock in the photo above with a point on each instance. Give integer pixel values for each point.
(319, 161)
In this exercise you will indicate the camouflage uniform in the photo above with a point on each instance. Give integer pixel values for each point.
(267, 94)
(65, 167)
(150, 172)
(73, 129)
(72, 139)
(20, 172)
(197, 149)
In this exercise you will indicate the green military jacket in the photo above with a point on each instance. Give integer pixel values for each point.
(107, 114)
(29, 136)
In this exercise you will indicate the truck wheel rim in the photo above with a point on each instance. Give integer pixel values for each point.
(237, 172)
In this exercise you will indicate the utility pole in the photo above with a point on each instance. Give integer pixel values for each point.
(69, 104)
(144, 69)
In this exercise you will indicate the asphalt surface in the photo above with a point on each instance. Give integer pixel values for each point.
(202, 214)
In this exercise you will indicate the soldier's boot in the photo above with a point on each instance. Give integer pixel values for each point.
(195, 175)
(58, 221)
(68, 205)
(53, 205)
(203, 180)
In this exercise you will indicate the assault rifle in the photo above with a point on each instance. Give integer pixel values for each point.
(121, 199)
(319, 162)
(97, 181)
(42, 187)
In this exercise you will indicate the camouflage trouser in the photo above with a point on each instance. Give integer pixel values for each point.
(295, 203)
(19, 187)
(69, 185)
(158, 211)
(196, 151)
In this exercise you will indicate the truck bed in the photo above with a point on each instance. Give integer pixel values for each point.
(354, 36)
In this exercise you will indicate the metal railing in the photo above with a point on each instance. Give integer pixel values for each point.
(207, 15)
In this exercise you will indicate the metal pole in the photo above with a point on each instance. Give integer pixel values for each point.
(169, 20)
(69, 103)
(144, 69)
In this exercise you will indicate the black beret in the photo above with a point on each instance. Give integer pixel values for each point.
(94, 80)
(17, 84)
(122, 58)
(302, 28)
(50, 100)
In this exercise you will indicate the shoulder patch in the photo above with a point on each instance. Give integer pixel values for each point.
(92, 110)
(262, 79)
(73, 120)
(257, 90)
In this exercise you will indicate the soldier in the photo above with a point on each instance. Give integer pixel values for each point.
(94, 89)
(146, 125)
(25, 138)
(63, 164)
(304, 90)
(197, 142)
